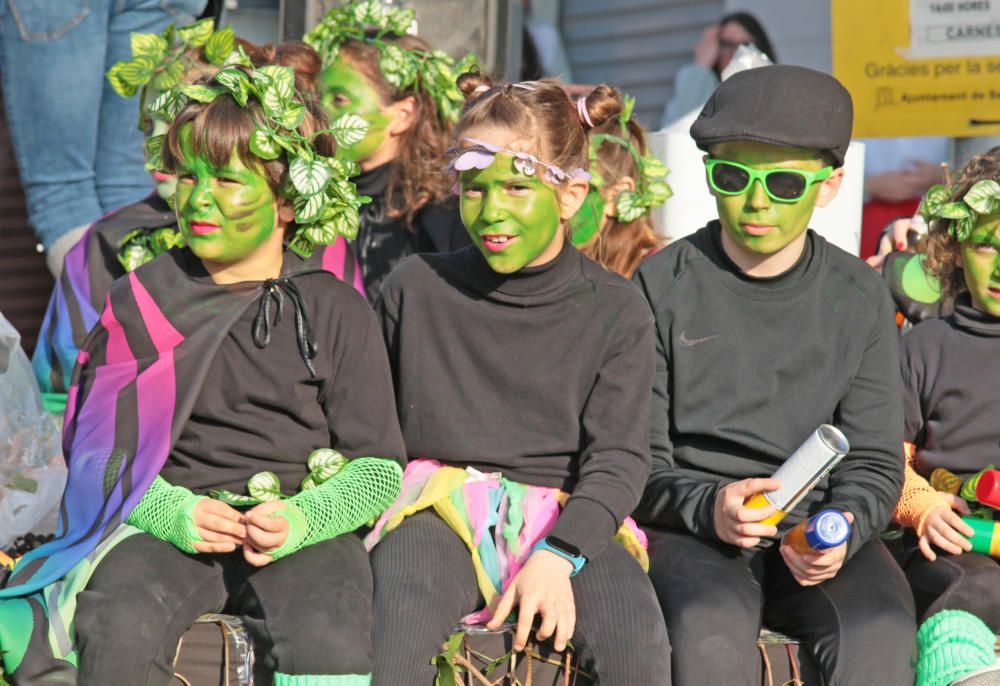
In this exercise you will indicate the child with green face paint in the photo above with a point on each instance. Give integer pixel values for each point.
(950, 400)
(133, 235)
(764, 332)
(405, 91)
(614, 227)
(522, 370)
(236, 402)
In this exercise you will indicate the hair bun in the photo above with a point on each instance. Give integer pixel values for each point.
(602, 104)
(473, 84)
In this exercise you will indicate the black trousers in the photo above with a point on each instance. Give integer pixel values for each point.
(309, 613)
(425, 583)
(859, 625)
(969, 582)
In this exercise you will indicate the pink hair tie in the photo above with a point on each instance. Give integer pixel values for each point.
(581, 107)
(481, 88)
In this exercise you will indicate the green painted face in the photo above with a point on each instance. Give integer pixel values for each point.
(512, 218)
(224, 213)
(586, 223)
(981, 264)
(342, 89)
(754, 221)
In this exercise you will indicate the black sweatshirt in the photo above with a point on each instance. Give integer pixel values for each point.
(382, 242)
(747, 369)
(951, 383)
(543, 375)
(261, 410)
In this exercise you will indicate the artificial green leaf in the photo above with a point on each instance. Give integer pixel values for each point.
(935, 197)
(628, 105)
(653, 167)
(400, 20)
(169, 33)
(284, 76)
(447, 671)
(137, 71)
(149, 44)
(309, 176)
(170, 76)
(309, 208)
(325, 463)
(292, 116)
(397, 66)
(201, 93)
(308, 483)
(346, 223)
(301, 245)
(983, 196)
(234, 499)
(154, 145)
(219, 46)
(628, 206)
(264, 486)
(197, 34)
(368, 12)
(954, 210)
(468, 63)
(263, 145)
(657, 193)
(164, 239)
(133, 256)
(348, 129)
(240, 56)
(126, 90)
(962, 228)
(236, 82)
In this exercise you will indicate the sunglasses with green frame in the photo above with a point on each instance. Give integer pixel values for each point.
(781, 185)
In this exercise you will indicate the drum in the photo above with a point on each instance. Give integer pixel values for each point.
(215, 651)
(477, 656)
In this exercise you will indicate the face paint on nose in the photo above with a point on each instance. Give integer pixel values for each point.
(224, 213)
(512, 218)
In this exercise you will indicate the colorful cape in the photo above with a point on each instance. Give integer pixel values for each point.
(140, 371)
(88, 272)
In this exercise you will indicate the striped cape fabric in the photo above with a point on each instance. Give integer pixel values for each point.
(138, 375)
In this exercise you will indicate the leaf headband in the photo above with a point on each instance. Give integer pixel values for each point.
(326, 202)
(982, 198)
(163, 59)
(481, 154)
(651, 190)
(434, 72)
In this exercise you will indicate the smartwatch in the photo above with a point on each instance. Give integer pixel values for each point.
(564, 550)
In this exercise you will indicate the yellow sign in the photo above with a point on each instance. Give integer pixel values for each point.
(920, 67)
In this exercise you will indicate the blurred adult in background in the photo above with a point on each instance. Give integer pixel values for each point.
(543, 53)
(697, 80)
(898, 171)
(79, 152)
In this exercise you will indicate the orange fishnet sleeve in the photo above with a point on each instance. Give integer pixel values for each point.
(918, 497)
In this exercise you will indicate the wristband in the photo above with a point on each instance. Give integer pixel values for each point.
(564, 550)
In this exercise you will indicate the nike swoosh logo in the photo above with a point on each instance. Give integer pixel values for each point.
(688, 342)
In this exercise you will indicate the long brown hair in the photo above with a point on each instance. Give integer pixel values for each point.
(943, 248)
(619, 246)
(418, 176)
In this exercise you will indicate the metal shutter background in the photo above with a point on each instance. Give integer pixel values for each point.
(636, 45)
(25, 282)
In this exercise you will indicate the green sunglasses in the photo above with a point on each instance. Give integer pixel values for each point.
(781, 185)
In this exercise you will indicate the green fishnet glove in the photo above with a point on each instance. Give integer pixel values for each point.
(167, 512)
(359, 492)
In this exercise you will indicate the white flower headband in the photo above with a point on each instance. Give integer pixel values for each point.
(480, 155)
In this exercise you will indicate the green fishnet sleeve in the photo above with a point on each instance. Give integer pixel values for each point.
(167, 512)
(357, 494)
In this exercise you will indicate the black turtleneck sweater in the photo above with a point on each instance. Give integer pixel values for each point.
(747, 368)
(952, 390)
(382, 241)
(543, 375)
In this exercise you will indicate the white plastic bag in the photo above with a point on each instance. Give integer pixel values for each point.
(32, 469)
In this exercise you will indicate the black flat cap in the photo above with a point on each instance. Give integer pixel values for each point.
(779, 104)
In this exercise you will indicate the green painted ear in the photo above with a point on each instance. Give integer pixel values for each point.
(371, 21)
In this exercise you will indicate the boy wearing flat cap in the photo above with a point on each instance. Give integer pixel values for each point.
(764, 332)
